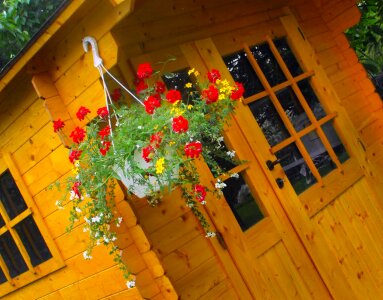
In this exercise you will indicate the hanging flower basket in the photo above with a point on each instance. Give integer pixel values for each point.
(150, 145)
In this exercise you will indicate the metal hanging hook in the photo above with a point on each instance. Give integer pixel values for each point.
(97, 60)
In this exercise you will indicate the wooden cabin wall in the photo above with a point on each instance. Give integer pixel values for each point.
(68, 80)
(351, 222)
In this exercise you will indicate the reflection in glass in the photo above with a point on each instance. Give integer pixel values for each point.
(242, 71)
(335, 141)
(33, 241)
(10, 195)
(311, 98)
(295, 168)
(11, 255)
(177, 81)
(268, 64)
(318, 153)
(238, 195)
(288, 56)
(269, 121)
(293, 108)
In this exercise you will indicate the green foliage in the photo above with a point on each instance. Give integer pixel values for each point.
(19, 21)
(367, 36)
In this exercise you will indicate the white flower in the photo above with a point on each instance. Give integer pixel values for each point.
(86, 220)
(203, 202)
(234, 175)
(139, 127)
(96, 219)
(86, 255)
(59, 205)
(220, 139)
(131, 284)
(231, 154)
(72, 195)
(219, 184)
(78, 209)
(106, 240)
(85, 229)
(98, 243)
(210, 234)
(119, 220)
(114, 238)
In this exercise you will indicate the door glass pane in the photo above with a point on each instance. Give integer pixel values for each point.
(318, 153)
(295, 168)
(2, 223)
(288, 56)
(11, 255)
(33, 241)
(335, 141)
(10, 195)
(269, 121)
(268, 64)
(293, 108)
(241, 201)
(2, 277)
(242, 71)
(311, 98)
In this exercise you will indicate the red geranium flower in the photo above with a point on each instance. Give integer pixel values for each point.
(180, 124)
(160, 87)
(156, 139)
(144, 70)
(147, 153)
(57, 125)
(75, 189)
(151, 103)
(82, 112)
(193, 149)
(140, 85)
(102, 112)
(173, 96)
(213, 75)
(200, 192)
(116, 94)
(104, 132)
(210, 94)
(106, 147)
(74, 155)
(77, 135)
(238, 92)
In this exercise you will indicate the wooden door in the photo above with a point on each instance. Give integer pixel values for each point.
(297, 148)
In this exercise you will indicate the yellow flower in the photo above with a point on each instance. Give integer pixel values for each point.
(171, 143)
(176, 102)
(196, 73)
(221, 96)
(160, 165)
(188, 85)
(191, 71)
(190, 107)
(176, 111)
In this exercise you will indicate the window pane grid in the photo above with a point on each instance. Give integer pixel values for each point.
(303, 102)
(283, 115)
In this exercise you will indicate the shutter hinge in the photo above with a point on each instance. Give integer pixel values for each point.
(300, 31)
(221, 240)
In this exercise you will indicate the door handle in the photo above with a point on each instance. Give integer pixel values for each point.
(270, 164)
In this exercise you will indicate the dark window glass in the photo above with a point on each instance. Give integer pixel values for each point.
(288, 56)
(318, 153)
(177, 81)
(242, 203)
(293, 108)
(268, 119)
(335, 142)
(2, 223)
(33, 241)
(268, 64)
(311, 98)
(220, 157)
(2, 277)
(242, 71)
(11, 255)
(10, 195)
(295, 168)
